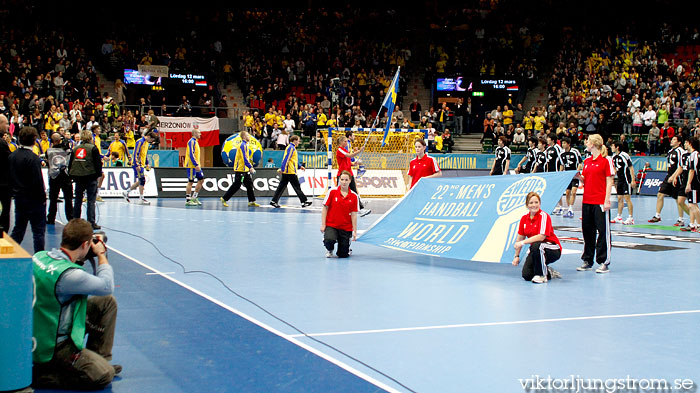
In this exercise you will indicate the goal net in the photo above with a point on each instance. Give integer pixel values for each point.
(386, 166)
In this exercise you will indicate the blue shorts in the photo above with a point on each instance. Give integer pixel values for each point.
(193, 174)
(139, 175)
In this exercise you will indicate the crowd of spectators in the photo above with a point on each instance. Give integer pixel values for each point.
(331, 63)
(624, 88)
(278, 57)
(42, 74)
(48, 80)
(325, 67)
(488, 39)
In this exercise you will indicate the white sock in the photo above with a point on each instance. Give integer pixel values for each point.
(657, 215)
(571, 208)
(195, 194)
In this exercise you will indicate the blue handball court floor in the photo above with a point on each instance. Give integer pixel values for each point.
(242, 299)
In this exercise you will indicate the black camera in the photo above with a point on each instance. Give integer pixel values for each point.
(90, 256)
(64, 144)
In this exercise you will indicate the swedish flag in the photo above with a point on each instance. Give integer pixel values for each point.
(390, 102)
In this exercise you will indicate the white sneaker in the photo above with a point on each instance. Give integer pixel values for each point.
(125, 194)
(145, 202)
(329, 254)
(364, 212)
(616, 220)
(539, 279)
(629, 221)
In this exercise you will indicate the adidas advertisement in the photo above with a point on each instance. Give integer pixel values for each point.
(172, 182)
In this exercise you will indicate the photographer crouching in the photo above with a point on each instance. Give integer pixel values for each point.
(63, 313)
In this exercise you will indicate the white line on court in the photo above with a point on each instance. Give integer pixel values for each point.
(287, 337)
(159, 274)
(505, 323)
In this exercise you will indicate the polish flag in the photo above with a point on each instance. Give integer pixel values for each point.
(176, 131)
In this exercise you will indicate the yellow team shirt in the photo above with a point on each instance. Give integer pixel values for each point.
(258, 127)
(539, 123)
(507, 117)
(243, 163)
(121, 149)
(440, 66)
(270, 118)
(56, 119)
(528, 122)
(37, 148)
(98, 142)
(192, 153)
(249, 120)
(280, 121)
(130, 141)
(438, 142)
(141, 153)
(12, 147)
(322, 119)
(361, 79)
(49, 123)
(332, 123)
(384, 81)
(45, 144)
(290, 161)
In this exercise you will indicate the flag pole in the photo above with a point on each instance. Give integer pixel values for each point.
(381, 105)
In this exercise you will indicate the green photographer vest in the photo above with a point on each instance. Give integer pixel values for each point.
(47, 309)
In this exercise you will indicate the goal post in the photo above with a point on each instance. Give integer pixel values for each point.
(386, 166)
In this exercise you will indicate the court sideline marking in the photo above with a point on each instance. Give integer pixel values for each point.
(270, 329)
(505, 323)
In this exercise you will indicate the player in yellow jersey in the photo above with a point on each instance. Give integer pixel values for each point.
(243, 168)
(119, 146)
(288, 169)
(140, 164)
(194, 169)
